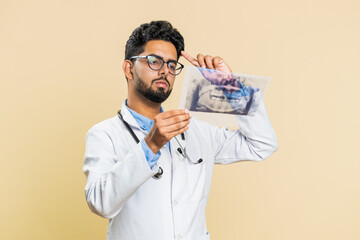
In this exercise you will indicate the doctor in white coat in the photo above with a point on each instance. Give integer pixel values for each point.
(149, 171)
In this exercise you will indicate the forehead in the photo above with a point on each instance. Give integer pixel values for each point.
(161, 48)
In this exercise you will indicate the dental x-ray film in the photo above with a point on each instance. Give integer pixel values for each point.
(211, 91)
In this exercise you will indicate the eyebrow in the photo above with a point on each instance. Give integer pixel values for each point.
(171, 60)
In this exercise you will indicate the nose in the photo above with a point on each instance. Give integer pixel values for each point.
(164, 70)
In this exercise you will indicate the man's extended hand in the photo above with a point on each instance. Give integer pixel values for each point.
(166, 126)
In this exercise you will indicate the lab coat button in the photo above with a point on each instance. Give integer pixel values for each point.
(175, 202)
(179, 236)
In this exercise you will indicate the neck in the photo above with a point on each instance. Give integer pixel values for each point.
(143, 106)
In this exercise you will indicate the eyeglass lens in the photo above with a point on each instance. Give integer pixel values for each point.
(156, 63)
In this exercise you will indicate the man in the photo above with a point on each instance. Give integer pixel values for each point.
(149, 170)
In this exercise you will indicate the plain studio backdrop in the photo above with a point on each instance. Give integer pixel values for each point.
(60, 72)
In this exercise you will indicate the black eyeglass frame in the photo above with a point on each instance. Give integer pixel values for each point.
(163, 62)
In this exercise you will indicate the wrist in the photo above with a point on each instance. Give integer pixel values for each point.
(153, 146)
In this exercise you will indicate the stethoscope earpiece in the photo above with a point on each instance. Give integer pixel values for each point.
(180, 151)
(159, 173)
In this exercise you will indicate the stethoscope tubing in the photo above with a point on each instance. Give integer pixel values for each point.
(160, 172)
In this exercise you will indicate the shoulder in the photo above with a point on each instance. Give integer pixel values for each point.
(107, 126)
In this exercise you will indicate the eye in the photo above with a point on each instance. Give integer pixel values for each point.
(154, 60)
(172, 65)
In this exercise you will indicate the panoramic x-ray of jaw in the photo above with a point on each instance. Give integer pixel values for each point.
(212, 91)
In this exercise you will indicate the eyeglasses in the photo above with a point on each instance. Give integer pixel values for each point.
(156, 63)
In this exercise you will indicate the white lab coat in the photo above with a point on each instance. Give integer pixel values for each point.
(120, 185)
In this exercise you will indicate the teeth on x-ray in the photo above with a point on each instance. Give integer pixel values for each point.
(212, 91)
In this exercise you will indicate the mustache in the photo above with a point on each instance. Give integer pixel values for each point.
(161, 78)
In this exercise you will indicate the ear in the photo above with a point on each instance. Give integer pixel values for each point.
(127, 68)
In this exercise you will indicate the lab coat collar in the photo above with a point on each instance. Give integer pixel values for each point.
(128, 117)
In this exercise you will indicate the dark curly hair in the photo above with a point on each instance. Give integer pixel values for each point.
(155, 30)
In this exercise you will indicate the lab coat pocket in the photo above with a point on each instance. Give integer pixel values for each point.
(196, 181)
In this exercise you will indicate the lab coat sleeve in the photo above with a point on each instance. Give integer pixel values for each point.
(255, 139)
(111, 181)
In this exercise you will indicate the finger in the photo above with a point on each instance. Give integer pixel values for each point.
(169, 136)
(174, 120)
(191, 59)
(172, 113)
(208, 62)
(178, 131)
(169, 122)
(224, 66)
(175, 127)
(200, 59)
(167, 131)
(216, 62)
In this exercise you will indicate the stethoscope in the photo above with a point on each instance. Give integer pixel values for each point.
(180, 149)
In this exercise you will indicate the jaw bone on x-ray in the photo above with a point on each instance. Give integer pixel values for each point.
(212, 91)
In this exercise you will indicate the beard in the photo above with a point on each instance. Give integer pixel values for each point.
(157, 96)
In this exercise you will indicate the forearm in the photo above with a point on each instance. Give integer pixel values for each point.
(111, 181)
(258, 132)
(254, 140)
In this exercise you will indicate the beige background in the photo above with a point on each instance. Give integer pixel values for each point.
(60, 71)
